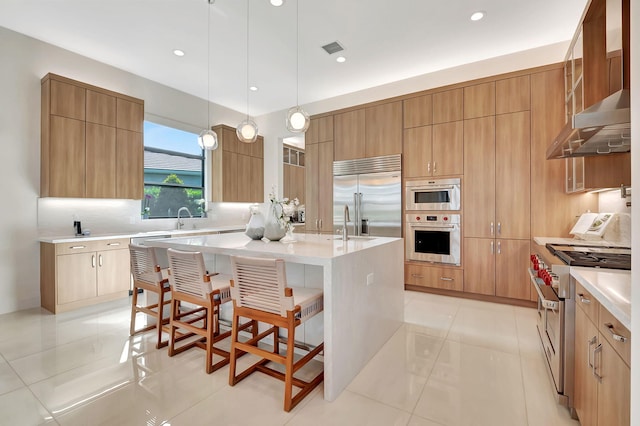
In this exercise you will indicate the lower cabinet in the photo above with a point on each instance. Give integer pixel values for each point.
(433, 277)
(78, 274)
(602, 367)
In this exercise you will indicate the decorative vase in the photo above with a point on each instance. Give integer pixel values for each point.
(255, 227)
(274, 230)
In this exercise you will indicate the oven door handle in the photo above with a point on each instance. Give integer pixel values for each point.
(423, 226)
(431, 188)
(546, 303)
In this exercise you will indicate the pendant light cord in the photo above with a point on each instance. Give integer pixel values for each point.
(297, 52)
(247, 86)
(209, 2)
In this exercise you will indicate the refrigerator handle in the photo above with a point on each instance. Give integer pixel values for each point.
(360, 220)
(355, 213)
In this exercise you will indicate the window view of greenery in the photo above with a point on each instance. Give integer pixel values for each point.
(173, 172)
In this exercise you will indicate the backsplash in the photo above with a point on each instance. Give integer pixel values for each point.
(108, 216)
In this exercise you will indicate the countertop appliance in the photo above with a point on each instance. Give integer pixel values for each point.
(432, 194)
(371, 188)
(549, 272)
(433, 237)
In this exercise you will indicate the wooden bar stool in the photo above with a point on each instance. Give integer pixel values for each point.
(192, 284)
(259, 292)
(147, 275)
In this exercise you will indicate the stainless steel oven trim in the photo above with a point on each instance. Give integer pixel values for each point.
(452, 185)
(455, 242)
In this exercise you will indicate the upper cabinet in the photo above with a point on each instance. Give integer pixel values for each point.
(320, 130)
(91, 141)
(447, 106)
(368, 132)
(237, 168)
(480, 100)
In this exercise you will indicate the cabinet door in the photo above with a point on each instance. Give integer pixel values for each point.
(479, 177)
(614, 392)
(101, 108)
(113, 271)
(229, 178)
(325, 183)
(447, 149)
(349, 134)
(297, 183)
(417, 152)
(129, 165)
(129, 115)
(418, 111)
(257, 148)
(480, 100)
(447, 106)
(311, 187)
(479, 265)
(257, 180)
(101, 161)
(513, 175)
(320, 130)
(383, 129)
(512, 260)
(513, 94)
(243, 177)
(67, 158)
(586, 385)
(76, 277)
(433, 277)
(67, 100)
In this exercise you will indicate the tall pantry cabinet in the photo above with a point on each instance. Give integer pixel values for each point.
(497, 157)
(318, 178)
(91, 141)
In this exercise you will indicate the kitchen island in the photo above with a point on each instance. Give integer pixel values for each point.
(362, 280)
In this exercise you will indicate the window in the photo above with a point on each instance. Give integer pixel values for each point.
(173, 172)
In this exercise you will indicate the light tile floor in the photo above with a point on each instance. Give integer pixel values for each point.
(453, 362)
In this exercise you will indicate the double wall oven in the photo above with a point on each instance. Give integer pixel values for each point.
(550, 278)
(433, 228)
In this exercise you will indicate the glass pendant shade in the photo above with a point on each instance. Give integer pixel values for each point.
(208, 139)
(247, 131)
(297, 120)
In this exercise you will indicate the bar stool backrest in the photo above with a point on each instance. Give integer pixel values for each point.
(188, 272)
(144, 264)
(260, 283)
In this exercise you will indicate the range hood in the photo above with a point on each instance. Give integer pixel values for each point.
(603, 128)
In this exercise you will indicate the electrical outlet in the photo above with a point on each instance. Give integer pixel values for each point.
(370, 279)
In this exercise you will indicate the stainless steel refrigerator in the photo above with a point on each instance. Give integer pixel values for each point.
(371, 188)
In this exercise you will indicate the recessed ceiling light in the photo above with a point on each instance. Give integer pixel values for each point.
(253, 88)
(341, 59)
(277, 2)
(476, 16)
(178, 52)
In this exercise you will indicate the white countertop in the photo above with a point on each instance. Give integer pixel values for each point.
(577, 242)
(171, 232)
(611, 287)
(313, 249)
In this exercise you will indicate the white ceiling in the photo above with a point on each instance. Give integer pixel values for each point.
(384, 40)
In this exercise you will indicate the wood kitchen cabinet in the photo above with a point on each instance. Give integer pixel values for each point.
(91, 141)
(320, 130)
(237, 168)
(349, 131)
(293, 182)
(433, 276)
(602, 368)
(480, 100)
(318, 179)
(433, 150)
(448, 106)
(83, 273)
(417, 111)
(513, 94)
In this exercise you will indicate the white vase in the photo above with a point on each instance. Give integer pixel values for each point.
(273, 229)
(255, 227)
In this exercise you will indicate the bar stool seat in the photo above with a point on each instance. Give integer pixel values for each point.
(259, 292)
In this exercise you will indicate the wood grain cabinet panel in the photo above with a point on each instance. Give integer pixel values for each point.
(448, 145)
(257, 148)
(243, 177)
(229, 181)
(513, 94)
(586, 386)
(512, 260)
(433, 277)
(101, 161)
(480, 100)
(614, 391)
(320, 130)
(349, 142)
(100, 108)
(448, 106)
(67, 100)
(383, 129)
(418, 111)
(112, 274)
(256, 191)
(66, 152)
(417, 152)
(78, 273)
(129, 115)
(129, 164)
(318, 179)
(479, 266)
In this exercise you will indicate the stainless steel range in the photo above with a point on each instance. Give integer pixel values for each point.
(549, 272)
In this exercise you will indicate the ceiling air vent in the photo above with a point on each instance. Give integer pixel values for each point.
(332, 47)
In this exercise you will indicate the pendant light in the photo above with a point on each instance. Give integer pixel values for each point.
(297, 118)
(208, 139)
(247, 130)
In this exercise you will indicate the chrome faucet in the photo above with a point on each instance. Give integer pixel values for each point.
(345, 231)
(180, 224)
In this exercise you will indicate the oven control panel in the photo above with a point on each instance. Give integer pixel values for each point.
(429, 218)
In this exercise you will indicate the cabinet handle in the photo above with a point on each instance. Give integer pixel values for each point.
(77, 247)
(595, 351)
(491, 247)
(618, 337)
(320, 222)
(100, 260)
(499, 248)
(93, 261)
(113, 244)
(584, 299)
(417, 276)
(499, 228)
(491, 229)
(590, 342)
(429, 167)
(446, 279)
(435, 167)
